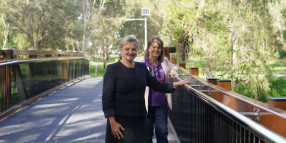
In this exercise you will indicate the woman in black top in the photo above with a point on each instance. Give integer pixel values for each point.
(123, 95)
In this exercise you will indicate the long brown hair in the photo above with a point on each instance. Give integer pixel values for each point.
(161, 45)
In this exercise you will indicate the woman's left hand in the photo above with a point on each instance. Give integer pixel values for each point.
(174, 73)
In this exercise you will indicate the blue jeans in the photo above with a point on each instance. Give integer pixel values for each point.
(157, 116)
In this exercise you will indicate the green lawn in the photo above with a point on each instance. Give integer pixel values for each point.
(278, 65)
(101, 69)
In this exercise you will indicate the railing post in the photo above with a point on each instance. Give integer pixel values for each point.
(8, 53)
(47, 53)
(5, 80)
(174, 61)
(279, 102)
(33, 53)
(194, 71)
(226, 84)
(64, 68)
(183, 65)
(169, 50)
(212, 80)
(1, 55)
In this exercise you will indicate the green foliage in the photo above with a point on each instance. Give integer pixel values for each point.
(277, 66)
(226, 39)
(277, 87)
(247, 90)
(154, 21)
(229, 40)
(42, 22)
(284, 34)
(101, 69)
(282, 53)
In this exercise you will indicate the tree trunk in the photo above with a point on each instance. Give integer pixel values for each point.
(6, 32)
(185, 46)
(96, 67)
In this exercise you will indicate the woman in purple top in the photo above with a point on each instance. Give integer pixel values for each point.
(156, 102)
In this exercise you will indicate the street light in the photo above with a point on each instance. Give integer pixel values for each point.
(145, 12)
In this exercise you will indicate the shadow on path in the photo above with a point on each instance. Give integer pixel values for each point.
(73, 114)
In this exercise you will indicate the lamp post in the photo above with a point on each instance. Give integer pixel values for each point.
(145, 12)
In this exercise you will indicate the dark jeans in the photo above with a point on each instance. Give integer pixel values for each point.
(157, 116)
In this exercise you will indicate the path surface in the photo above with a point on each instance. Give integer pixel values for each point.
(73, 114)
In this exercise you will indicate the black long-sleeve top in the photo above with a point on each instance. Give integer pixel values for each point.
(124, 88)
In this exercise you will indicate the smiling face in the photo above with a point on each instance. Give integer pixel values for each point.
(155, 50)
(128, 51)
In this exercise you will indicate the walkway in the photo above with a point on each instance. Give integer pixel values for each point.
(73, 114)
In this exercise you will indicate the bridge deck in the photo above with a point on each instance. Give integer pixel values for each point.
(73, 114)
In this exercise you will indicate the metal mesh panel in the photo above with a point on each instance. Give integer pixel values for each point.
(198, 121)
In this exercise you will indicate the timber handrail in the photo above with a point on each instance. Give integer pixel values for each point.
(11, 53)
(20, 61)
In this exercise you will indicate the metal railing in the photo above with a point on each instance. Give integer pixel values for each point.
(199, 117)
(36, 72)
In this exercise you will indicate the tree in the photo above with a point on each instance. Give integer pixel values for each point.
(154, 21)
(90, 16)
(42, 21)
(109, 24)
(4, 27)
(230, 38)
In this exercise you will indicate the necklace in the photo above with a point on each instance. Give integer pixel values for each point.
(132, 65)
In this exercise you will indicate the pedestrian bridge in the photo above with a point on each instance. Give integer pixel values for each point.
(71, 114)
(48, 97)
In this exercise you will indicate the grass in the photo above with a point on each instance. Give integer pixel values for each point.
(277, 85)
(101, 69)
(278, 65)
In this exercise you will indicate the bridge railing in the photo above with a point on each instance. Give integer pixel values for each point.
(203, 112)
(26, 74)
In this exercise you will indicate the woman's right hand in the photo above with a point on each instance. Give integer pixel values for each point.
(182, 82)
(115, 128)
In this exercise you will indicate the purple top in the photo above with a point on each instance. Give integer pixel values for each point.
(156, 98)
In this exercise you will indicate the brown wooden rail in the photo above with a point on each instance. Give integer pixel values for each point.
(266, 115)
(7, 54)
